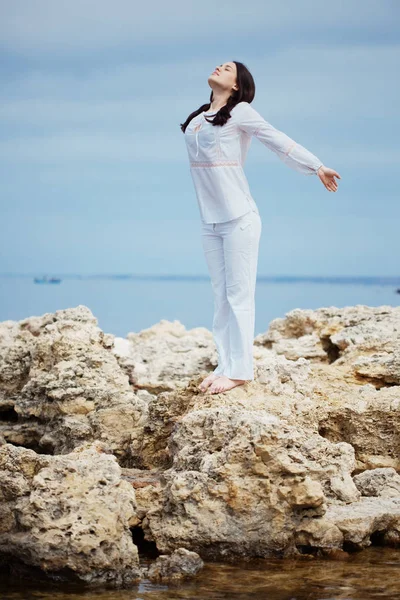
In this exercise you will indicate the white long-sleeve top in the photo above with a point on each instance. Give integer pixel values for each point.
(217, 156)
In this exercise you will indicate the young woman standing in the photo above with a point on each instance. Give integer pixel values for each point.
(218, 136)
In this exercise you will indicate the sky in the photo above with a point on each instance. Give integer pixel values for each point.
(94, 173)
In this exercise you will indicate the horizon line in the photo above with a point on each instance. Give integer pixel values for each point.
(387, 278)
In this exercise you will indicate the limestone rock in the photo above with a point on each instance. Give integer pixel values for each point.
(367, 519)
(59, 370)
(379, 482)
(165, 356)
(241, 482)
(180, 564)
(332, 334)
(305, 458)
(69, 515)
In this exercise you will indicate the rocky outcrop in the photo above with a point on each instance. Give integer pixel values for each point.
(166, 356)
(364, 340)
(242, 481)
(60, 386)
(302, 460)
(68, 515)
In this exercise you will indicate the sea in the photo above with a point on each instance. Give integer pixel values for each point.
(124, 303)
(370, 574)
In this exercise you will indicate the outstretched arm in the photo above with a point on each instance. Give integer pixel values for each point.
(290, 152)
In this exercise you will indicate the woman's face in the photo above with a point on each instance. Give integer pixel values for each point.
(224, 76)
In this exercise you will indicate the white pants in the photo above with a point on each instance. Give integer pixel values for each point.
(231, 251)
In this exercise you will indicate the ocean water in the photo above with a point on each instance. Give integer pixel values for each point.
(125, 303)
(371, 574)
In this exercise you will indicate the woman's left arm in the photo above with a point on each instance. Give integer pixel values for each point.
(290, 152)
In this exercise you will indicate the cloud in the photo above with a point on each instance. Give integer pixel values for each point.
(78, 26)
(74, 146)
(318, 95)
(78, 148)
(309, 80)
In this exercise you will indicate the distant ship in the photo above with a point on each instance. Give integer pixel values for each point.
(46, 279)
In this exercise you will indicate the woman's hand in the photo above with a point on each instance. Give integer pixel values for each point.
(327, 176)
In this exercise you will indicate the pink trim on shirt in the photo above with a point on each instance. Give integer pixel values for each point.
(222, 163)
(290, 148)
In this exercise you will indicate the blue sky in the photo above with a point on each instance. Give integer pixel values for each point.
(94, 176)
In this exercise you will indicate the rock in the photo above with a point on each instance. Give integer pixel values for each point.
(353, 374)
(321, 534)
(166, 356)
(182, 563)
(367, 519)
(241, 482)
(341, 335)
(59, 370)
(68, 515)
(379, 482)
(302, 460)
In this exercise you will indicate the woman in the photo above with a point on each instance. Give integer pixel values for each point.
(218, 136)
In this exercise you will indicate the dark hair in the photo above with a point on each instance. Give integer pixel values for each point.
(245, 93)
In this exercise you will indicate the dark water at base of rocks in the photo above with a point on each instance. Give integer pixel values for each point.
(371, 573)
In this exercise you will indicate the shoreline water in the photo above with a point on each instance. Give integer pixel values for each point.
(366, 575)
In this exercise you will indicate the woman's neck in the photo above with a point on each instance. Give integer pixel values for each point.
(213, 109)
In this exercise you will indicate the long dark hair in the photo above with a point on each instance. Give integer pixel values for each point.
(246, 92)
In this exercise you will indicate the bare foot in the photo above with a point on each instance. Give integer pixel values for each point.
(223, 384)
(207, 381)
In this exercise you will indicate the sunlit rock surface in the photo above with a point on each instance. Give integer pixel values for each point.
(302, 460)
(69, 515)
(59, 369)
